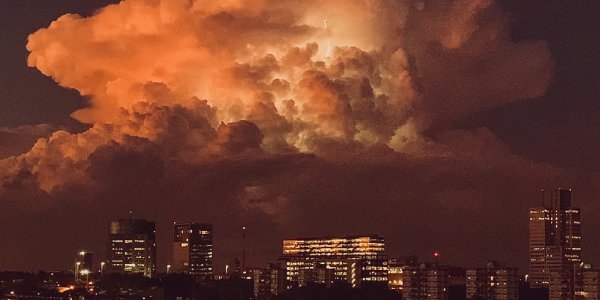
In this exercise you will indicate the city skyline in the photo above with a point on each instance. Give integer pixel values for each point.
(557, 267)
(193, 237)
(434, 124)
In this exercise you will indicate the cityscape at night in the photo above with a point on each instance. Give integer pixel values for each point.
(360, 262)
(300, 149)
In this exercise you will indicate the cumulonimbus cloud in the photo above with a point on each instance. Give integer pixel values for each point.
(289, 116)
(202, 81)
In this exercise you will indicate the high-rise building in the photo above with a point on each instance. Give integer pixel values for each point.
(395, 274)
(494, 282)
(193, 249)
(320, 274)
(358, 260)
(132, 247)
(555, 243)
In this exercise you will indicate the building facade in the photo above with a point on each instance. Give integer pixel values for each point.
(270, 281)
(358, 260)
(590, 288)
(555, 244)
(132, 247)
(193, 249)
(425, 281)
(395, 274)
(494, 282)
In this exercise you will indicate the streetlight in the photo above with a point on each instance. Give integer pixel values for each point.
(87, 275)
(102, 269)
(77, 264)
(168, 269)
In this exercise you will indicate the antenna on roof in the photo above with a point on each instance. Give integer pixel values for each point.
(243, 248)
(543, 199)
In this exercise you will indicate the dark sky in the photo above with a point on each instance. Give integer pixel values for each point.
(472, 207)
(29, 97)
(560, 127)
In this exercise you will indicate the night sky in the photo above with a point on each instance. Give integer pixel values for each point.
(435, 124)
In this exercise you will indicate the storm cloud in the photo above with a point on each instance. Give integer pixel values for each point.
(289, 117)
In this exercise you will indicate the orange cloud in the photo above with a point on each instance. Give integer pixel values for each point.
(283, 76)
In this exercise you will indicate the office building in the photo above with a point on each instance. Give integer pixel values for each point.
(395, 274)
(590, 285)
(193, 249)
(132, 247)
(425, 281)
(358, 260)
(270, 281)
(555, 244)
(320, 274)
(494, 282)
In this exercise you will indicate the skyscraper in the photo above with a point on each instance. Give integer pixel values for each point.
(554, 242)
(132, 247)
(193, 249)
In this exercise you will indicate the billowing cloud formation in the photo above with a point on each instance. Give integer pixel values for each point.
(306, 72)
(296, 108)
(17, 140)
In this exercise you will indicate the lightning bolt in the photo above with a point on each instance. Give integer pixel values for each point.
(328, 39)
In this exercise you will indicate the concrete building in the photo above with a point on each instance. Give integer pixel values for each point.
(395, 274)
(270, 281)
(429, 281)
(132, 247)
(494, 282)
(358, 260)
(193, 249)
(320, 274)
